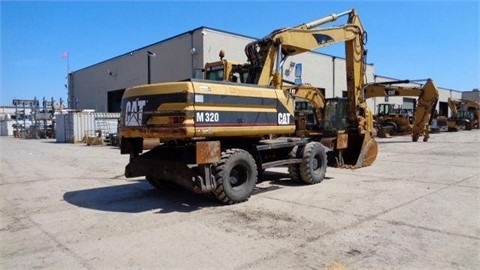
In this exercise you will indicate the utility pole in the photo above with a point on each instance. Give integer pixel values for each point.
(149, 68)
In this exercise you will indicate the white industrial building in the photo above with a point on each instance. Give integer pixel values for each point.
(100, 86)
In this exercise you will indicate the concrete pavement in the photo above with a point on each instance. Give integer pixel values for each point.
(417, 207)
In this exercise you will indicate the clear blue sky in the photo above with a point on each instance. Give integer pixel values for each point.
(406, 40)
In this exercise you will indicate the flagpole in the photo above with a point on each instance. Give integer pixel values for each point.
(67, 56)
(68, 63)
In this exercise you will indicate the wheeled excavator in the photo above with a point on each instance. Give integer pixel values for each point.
(465, 115)
(426, 103)
(217, 135)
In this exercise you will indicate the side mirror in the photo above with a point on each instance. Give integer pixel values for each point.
(298, 73)
(298, 70)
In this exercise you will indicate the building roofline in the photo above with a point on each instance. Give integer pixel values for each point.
(185, 33)
(225, 32)
(141, 48)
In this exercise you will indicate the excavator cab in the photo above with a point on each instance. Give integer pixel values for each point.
(335, 116)
(306, 117)
(224, 70)
(384, 109)
(353, 146)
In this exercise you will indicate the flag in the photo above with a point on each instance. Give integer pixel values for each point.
(65, 55)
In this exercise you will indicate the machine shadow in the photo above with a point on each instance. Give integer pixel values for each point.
(139, 197)
(394, 141)
(281, 179)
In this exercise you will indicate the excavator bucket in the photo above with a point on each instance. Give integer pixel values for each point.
(368, 152)
(361, 151)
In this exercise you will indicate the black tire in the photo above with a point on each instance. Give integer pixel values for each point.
(294, 169)
(468, 126)
(314, 164)
(393, 128)
(235, 176)
(260, 171)
(155, 182)
(161, 183)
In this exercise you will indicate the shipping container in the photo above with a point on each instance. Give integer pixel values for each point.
(73, 127)
(6, 128)
(106, 122)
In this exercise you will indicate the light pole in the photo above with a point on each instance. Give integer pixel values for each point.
(149, 75)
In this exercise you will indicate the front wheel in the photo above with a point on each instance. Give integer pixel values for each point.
(235, 176)
(314, 164)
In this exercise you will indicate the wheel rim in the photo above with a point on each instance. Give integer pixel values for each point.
(315, 161)
(238, 177)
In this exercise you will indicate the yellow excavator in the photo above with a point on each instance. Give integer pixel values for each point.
(217, 134)
(465, 115)
(426, 103)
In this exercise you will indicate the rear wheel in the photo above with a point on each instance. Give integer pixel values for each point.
(314, 164)
(392, 128)
(156, 182)
(235, 176)
(294, 169)
(161, 183)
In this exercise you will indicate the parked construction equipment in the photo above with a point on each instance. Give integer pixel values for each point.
(465, 115)
(217, 135)
(394, 118)
(398, 121)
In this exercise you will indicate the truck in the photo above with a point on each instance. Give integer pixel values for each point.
(216, 135)
(396, 121)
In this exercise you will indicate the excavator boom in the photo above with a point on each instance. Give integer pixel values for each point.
(360, 149)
